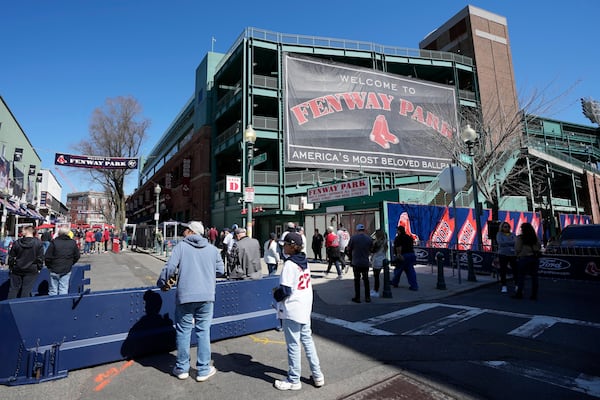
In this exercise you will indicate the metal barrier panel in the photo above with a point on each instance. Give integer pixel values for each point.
(77, 282)
(568, 266)
(45, 337)
(581, 267)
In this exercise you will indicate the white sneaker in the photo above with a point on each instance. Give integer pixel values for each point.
(202, 378)
(374, 293)
(180, 374)
(339, 277)
(286, 385)
(319, 382)
(504, 289)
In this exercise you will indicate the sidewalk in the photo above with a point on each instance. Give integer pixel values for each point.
(335, 291)
(339, 292)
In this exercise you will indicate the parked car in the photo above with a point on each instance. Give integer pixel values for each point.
(577, 240)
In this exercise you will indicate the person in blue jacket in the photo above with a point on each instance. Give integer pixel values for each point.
(194, 263)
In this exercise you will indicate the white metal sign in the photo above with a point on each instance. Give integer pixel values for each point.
(234, 184)
(341, 190)
(249, 195)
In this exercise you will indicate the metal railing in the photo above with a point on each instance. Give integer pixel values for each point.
(332, 43)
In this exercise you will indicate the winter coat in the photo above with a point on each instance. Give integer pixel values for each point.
(62, 254)
(26, 256)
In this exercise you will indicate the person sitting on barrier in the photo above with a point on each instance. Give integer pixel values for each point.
(61, 255)
(405, 259)
(506, 253)
(196, 263)
(294, 297)
(25, 260)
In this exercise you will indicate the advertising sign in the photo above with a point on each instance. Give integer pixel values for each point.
(70, 160)
(341, 190)
(347, 117)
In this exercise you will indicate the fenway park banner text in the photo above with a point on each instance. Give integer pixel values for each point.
(70, 160)
(346, 117)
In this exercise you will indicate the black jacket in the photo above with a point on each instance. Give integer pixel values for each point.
(61, 255)
(26, 256)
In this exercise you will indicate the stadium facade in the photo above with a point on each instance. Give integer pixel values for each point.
(327, 111)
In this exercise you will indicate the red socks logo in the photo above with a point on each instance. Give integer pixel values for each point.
(380, 133)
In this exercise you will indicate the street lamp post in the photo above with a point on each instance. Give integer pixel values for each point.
(157, 215)
(250, 139)
(469, 136)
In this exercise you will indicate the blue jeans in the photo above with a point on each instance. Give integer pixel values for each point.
(185, 315)
(295, 334)
(272, 269)
(408, 266)
(58, 284)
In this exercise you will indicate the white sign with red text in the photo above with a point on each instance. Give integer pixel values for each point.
(341, 190)
(234, 184)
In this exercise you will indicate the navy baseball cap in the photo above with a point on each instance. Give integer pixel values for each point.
(292, 238)
(360, 227)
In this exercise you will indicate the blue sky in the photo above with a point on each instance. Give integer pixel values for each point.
(62, 59)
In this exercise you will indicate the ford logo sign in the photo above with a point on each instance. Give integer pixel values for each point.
(421, 254)
(554, 264)
(477, 259)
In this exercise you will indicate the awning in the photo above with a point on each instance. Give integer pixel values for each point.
(13, 208)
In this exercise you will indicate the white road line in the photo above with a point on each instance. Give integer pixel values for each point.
(534, 327)
(582, 383)
(359, 326)
(443, 323)
(382, 319)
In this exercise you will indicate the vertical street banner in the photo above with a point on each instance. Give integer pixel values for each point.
(185, 176)
(346, 117)
(4, 174)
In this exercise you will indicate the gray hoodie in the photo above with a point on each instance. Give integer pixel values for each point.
(198, 262)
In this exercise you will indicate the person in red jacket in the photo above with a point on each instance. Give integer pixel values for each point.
(332, 249)
(106, 239)
(89, 242)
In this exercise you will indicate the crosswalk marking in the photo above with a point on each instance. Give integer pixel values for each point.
(534, 327)
(442, 323)
(583, 383)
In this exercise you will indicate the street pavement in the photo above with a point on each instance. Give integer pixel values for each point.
(248, 365)
(334, 291)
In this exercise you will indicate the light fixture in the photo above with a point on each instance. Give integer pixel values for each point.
(468, 135)
(250, 139)
(250, 134)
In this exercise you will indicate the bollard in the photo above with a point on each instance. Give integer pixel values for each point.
(441, 283)
(470, 270)
(387, 289)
